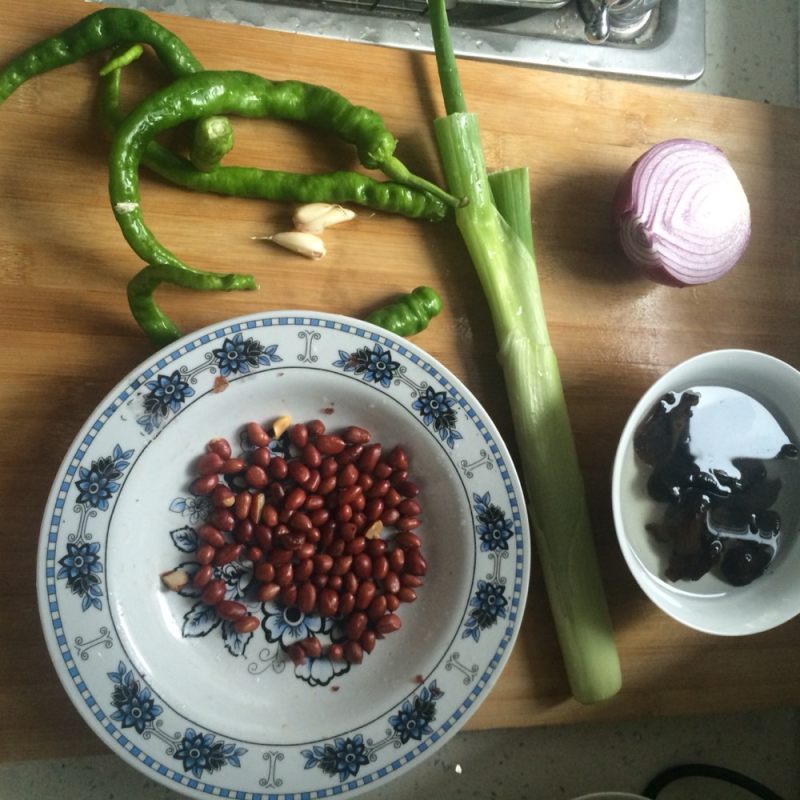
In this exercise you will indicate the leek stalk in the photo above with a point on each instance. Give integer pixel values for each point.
(507, 271)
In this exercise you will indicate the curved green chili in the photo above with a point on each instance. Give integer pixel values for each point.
(109, 28)
(277, 185)
(410, 314)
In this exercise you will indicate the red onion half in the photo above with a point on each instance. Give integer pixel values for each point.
(682, 213)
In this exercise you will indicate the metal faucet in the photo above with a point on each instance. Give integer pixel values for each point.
(624, 18)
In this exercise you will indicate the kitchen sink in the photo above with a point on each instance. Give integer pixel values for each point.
(670, 46)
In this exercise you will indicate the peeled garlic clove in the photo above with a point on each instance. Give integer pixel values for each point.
(315, 217)
(306, 244)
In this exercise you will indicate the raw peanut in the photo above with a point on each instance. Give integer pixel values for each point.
(367, 641)
(350, 455)
(390, 516)
(392, 602)
(407, 523)
(241, 508)
(205, 554)
(334, 582)
(374, 530)
(319, 516)
(230, 610)
(350, 583)
(376, 547)
(175, 579)
(303, 569)
(353, 652)
(355, 625)
(348, 476)
(342, 564)
(269, 515)
(328, 602)
(268, 591)
(311, 646)
(335, 652)
(307, 597)
(406, 594)
(278, 468)
(327, 485)
(347, 531)
(201, 578)
(208, 464)
(228, 553)
(329, 467)
(388, 624)
(213, 592)
(358, 511)
(356, 546)
(257, 435)
(377, 608)
(409, 508)
(264, 572)
(223, 496)
(398, 476)
(408, 489)
(296, 654)
(261, 457)
(313, 482)
(257, 507)
(365, 595)
(316, 502)
(278, 557)
(246, 624)
(221, 447)
(408, 540)
(298, 435)
(336, 548)
(316, 428)
(276, 492)
(295, 499)
(369, 458)
(293, 540)
(223, 519)
(347, 495)
(397, 458)
(412, 581)
(362, 565)
(382, 471)
(254, 554)
(416, 563)
(233, 466)
(312, 457)
(256, 477)
(374, 509)
(355, 435)
(378, 489)
(327, 533)
(289, 594)
(284, 574)
(280, 425)
(263, 535)
(397, 558)
(320, 581)
(298, 471)
(391, 583)
(392, 498)
(211, 535)
(323, 563)
(365, 481)
(380, 567)
(330, 445)
(300, 521)
(204, 485)
(347, 602)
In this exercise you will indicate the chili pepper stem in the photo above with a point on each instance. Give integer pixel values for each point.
(124, 58)
(396, 170)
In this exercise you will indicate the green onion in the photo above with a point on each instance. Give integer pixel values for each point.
(501, 248)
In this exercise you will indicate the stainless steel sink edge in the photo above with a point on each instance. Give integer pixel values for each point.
(680, 58)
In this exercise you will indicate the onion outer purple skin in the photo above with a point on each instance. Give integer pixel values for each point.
(682, 214)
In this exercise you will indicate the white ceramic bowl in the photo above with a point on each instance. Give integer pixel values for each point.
(711, 605)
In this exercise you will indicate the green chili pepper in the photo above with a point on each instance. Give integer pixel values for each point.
(278, 185)
(410, 314)
(109, 28)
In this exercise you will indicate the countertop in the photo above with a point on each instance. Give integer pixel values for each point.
(733, 70)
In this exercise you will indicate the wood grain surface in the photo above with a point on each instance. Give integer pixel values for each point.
(68, 336)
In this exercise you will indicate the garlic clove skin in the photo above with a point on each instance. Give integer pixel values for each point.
(305, 244)
(315, 217)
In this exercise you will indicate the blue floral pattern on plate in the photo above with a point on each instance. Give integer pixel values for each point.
(108, 510)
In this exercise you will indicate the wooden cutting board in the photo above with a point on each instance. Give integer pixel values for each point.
(69, 337)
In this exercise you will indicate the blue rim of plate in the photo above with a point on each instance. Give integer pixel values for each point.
(69, 591)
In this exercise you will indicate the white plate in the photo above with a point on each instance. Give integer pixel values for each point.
(177, 694)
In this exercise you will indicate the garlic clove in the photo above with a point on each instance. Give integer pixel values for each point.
(315, 217)
(306, 244)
